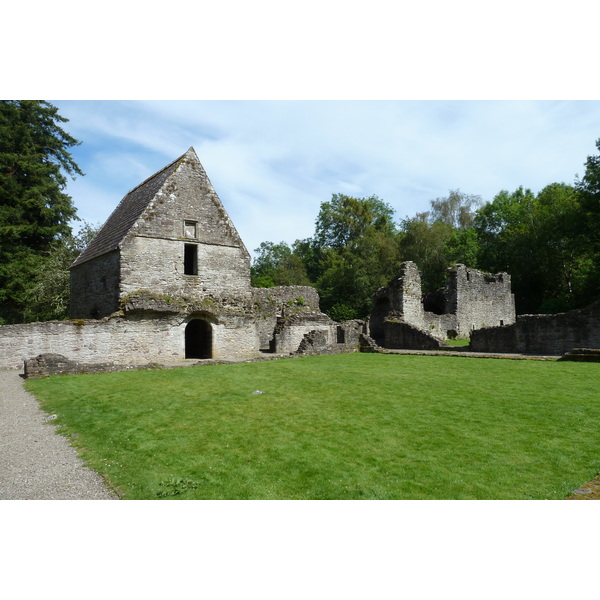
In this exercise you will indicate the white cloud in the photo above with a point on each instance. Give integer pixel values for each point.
(273, 163)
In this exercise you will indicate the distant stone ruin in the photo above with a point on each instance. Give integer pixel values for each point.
(470, 300)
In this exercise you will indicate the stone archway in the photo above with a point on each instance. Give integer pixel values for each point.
(198, 339)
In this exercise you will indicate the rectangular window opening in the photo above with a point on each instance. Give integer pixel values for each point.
(190, 259)
(189, 230)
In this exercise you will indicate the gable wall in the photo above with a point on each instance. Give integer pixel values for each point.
(158, 265)
(152, 253)
(188, 195)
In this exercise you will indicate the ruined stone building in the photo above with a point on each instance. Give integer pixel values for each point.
(470, 300)
(167, 277)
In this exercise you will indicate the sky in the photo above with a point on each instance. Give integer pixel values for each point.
(273, 163)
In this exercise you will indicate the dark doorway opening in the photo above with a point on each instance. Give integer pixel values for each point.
(198, 339)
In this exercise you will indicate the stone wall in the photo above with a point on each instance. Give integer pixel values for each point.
(158, 265)
(401, 297)
(291, 329)
(550, 335)
(339, 338)
(470, 300)
(270, 304)
(138, 339)
(95, 288)
(399, 334)
(478, 299)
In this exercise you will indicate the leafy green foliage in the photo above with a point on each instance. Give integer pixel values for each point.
(588, 189)
(48, 296)
(34, 210)
(539, 240)
(356, 242)
(276, 265)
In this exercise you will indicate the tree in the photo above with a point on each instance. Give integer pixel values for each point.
(34, 210)
(588, 189)
(356, 243)
(538, 240)
(344, 220)
(458, 209)
(48, 296)
(275, 264)
(444, 235)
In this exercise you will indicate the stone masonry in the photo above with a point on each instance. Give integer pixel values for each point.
(470, 300)
(550, 335)
(167, 277)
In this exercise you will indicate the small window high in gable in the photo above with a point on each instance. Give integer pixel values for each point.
(190, 230)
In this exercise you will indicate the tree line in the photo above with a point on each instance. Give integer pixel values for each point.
(549, 242)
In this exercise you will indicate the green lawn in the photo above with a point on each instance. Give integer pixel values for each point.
(458, 343)
(355, 426)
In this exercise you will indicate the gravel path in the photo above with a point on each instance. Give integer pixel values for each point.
(35, 462)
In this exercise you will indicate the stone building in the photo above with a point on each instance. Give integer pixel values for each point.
(170, 235)
(470, 300)
(167, 277)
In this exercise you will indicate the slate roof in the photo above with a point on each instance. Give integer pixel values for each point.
(128, 211)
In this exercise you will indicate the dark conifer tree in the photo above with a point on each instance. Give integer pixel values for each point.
(34, 209)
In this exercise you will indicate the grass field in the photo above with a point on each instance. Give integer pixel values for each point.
(355, 426)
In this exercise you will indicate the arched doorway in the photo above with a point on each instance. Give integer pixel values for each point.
(198, 339)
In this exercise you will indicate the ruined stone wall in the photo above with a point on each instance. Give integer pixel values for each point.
(270, 303)
(440, 326)
(402, 335)
(401, 297)
(138, 339)
(470, 300)
(291, 329)
(478, 299)
(340, 338)
(94, 291)
(550, 335)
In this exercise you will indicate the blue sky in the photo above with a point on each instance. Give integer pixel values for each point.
(274, 162)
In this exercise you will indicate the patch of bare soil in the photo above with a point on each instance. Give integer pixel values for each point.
(588, 491)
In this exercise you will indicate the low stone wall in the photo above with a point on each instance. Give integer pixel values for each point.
(582, 355)
(440, 325)
(291, 329)
(550, 335)
(44, 365)
(270, 304)
(401, 335)
(338, 339)
(121, 340)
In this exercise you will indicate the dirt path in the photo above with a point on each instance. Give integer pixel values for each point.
(35, 462)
